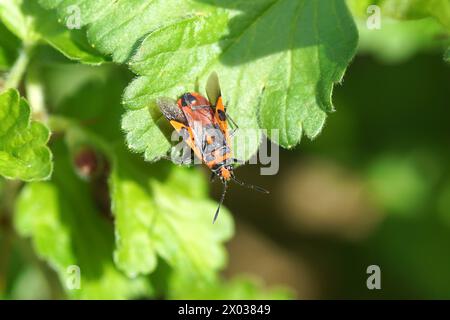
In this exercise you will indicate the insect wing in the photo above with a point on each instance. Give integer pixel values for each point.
(171, 110)
(208, 137)
(177, 119)
(213, 88)
(199, 120)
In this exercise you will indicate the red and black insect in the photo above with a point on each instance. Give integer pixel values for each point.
(203, 125)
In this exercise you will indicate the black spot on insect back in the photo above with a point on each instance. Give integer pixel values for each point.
(188, 99)
(222, 115)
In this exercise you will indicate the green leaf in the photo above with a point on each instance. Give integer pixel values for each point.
(406, 9)
(398, 40)
(238, 288)
(68, 230)
(117, 27)
(447, 55)
(277, 60)
(23, 151)
(164, 211)
(31, 23)
(98, 89)
(149, 201)
(439, 10)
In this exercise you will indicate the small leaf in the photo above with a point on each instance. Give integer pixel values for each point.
(238, 288)
(68, 230)
(143, 133)
(399, 40)
(406, 9)
(277, 60)
(164, 211)
(23, 151)
(439, 10)
(31, 23)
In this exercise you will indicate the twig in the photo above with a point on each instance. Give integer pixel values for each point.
(18, 70)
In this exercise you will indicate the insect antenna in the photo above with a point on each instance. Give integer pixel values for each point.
(221, 201)
(250, 186)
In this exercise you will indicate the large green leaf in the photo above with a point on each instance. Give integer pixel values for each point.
(68, 230)
(23, 151)
(117, 27)
(164, 211)
(31, 23)
(277, 59)
(161, 211)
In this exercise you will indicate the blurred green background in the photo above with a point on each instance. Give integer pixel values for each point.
(373, 188)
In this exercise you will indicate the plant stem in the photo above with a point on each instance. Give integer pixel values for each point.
(58, 124)
(33, 84)
(35, 94)
(76, 134)
(18, 70)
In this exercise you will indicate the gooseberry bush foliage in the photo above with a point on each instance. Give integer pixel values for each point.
(63, 133)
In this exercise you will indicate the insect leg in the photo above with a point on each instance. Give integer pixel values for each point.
(232, 122)
(229, 118)
(237, 161)
(233, 133)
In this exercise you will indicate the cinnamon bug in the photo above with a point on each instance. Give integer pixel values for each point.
(203, 124)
